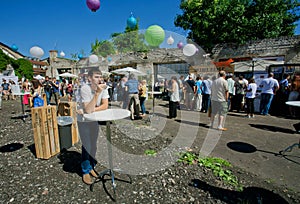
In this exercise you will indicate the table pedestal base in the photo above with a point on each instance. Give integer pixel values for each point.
(111, 174)
(290, 148)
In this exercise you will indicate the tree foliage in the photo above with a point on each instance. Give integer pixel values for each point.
(210, 22)
(4, 61)
(128, 41)
(23, 67)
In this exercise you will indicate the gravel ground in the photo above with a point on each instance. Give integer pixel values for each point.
(26, 179)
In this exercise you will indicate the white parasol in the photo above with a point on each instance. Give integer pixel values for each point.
(67, 74)
(128, 70)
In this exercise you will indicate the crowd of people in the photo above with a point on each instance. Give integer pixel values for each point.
(35, 89)
(218, 95)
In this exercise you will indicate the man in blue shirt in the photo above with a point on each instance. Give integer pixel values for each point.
(198, 93)
(269, 87)
(132, 88)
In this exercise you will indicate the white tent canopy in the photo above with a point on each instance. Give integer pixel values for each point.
(254, 65)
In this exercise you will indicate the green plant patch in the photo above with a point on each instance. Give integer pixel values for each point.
(187, 158)
(219, 167)
(150, 152)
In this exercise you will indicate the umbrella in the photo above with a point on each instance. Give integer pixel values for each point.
(128, 70)
(67, 74)
(254, 65)
(39, 77)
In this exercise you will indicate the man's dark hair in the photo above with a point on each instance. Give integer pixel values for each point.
(94, 70)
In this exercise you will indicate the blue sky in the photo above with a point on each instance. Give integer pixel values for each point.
(69, 26)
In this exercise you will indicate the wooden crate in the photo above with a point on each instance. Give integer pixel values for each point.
(70, 109)
(45, 131)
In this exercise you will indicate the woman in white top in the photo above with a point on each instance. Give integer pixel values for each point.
(250, 96)
(174, 97)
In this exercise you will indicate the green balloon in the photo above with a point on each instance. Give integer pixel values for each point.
(155, 35)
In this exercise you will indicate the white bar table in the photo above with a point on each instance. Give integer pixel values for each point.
(108, 116)
(153, 93)
(15, 89)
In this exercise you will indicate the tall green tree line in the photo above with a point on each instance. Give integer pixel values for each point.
(211, 22)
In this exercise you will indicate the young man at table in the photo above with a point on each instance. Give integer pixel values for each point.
(93, 97)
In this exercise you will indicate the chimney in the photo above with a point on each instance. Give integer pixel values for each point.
(53, 55)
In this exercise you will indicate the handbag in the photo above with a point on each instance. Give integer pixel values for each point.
(38, 102)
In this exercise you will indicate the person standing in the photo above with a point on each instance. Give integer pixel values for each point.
(174, 97)
(219, 98)
(48, 89)
(142, 96)
(198, 93)
(69, 91)
(26, 89)
(190, 92)
(132, 87)
(5, 89)
(240, 86)
(231, 90)
(206, 93)
(55, 90)
(93, 97)
(250, 96)
(269, 86)
(1, 89)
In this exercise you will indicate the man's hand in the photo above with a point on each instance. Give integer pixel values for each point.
(101, 87)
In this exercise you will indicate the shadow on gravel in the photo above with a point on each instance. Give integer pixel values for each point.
(272, 128)
(249, 148)
(11, 147)
(248, 195)
(71, 161)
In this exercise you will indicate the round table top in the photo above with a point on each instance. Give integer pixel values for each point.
(107, 115)
(293, 103)
(154, 92)
(21, 94)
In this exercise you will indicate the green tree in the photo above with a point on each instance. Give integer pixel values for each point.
(22, 68)
(102, 48)
(4, 61)
(128, 41)
(210, 22)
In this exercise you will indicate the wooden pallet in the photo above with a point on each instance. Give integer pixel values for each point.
(45, 131)
(70, 109)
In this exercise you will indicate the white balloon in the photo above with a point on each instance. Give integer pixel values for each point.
(36, 51)
(189, 50)
(62, 54)
(93, 59)
(170, 40)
